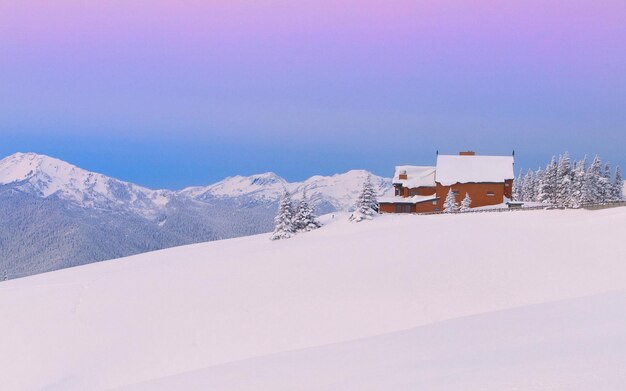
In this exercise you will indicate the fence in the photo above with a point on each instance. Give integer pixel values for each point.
(588, 206)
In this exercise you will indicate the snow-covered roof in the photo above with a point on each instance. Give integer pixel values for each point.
(453, 169)
(417, 176)
(406, 200)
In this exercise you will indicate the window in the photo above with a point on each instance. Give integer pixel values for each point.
(455, 192)
(490, 194)
(435, 202)
(407, 208)
(413, 192)
(398, 208)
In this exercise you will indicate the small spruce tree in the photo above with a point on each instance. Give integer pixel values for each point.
(305, 219)
(284, 228)
(450, 205)
(367, 204)
(466, 203)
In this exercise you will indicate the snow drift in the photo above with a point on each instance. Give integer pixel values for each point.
(521, 300)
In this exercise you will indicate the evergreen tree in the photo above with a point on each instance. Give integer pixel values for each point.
(367, 204)
(593, 191)
(563, 193)
(518, 187)
(618, 185)
(284, 228)
(537, 179)
(450, 205)
(547, 185)
(305, 219)
(466, 203)
(527, 187)
(606, 184)
(578, 183)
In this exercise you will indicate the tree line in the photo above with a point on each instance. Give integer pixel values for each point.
(570, 184)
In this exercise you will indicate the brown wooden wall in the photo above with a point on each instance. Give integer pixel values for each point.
(421, 191)
(477, 191)
(421, 207)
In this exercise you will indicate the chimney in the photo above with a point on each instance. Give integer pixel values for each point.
(467, 153)
(403, 175)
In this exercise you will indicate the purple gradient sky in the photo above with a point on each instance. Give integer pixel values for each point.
(174, 93)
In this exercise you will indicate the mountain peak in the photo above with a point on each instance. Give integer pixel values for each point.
(23, 166)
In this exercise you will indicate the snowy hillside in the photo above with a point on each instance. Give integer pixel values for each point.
(493, 301)
(55, 215)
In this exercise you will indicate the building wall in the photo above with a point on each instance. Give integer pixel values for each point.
(421, 207)
(420, 191)
(479, 192)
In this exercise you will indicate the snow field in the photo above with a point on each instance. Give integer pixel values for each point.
(172, 312)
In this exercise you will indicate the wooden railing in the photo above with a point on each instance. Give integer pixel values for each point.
(588, 206)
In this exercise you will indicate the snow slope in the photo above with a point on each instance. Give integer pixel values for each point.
(448, 302)
(578, 344)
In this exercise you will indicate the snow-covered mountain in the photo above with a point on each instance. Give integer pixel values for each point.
(45, 176)
(327, 193)
(386, 304)
(55, 215)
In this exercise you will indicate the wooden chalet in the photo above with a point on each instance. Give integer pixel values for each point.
(487, 179)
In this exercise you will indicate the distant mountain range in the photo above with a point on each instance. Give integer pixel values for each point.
(55, 215)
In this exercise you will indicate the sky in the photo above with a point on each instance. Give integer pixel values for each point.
(170, 93)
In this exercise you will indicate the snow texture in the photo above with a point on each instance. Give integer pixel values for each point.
(453, 169)
(345, 307)
(407, 200)
(417, 176)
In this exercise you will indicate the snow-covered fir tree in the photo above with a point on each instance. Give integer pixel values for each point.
(578, 183)
(618, 185)
(537, 179)
(367, 204)
(518, 193)
(547, 184)
(592, 189)
(606, 184)
(571, 184)
(563, 193)
(284, 228)
(305, 219)
(450, 205)
(466, 204)
(528, 187)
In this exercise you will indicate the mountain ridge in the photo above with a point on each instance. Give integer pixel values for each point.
(54, 214)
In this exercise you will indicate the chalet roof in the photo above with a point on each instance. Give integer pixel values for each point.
(406, 200)
(453, 169)
(417, 176)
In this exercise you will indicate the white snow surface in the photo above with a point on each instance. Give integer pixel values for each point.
(521, 301)
(407, 200)
(417, 176)
(453, 169)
